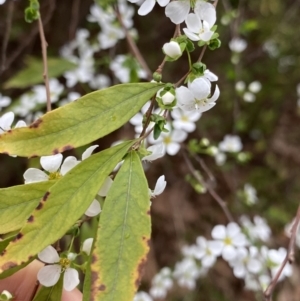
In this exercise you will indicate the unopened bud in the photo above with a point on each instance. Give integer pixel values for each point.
(172, 49)
(6, 295)
(168, 98)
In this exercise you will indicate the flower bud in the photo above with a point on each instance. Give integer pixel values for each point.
(168, 98)
(172, 50)
(6, 295)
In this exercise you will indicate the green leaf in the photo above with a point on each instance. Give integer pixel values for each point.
(122, 241)
(62, 205)
(52, 293)
(33, 73)
(17, 203)
(78, 123)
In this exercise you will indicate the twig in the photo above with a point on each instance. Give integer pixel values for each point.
(210, 190)
(136, 52)
(6, 34)
(29, 37)
(288, 258)
(74, 19)
(45, 63)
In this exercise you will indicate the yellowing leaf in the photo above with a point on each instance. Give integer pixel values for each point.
(122, 241)
(80, 122)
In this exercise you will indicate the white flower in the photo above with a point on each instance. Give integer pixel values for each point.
(172, 49)
(250, 194)
(195, 97)
(220, 158)
(249, 97)
(187, 272)
(142, 296)
(171, 140)
(245, 262)
(50, 274)
(197, 29)
(54, 167)
(275, 259)
(161, 283)
(100, 81)
(184, 120)
(157, 151)
(122, 71)
(2, 2)
(240, 86)
(177, 11)
(237, 45)
(257, 230)
(231, 237)
(148, 5)
(255, 87)
(110, 35)
(4, 101)
(55, 87)
(231, 144)
(87, 245)
(207, 251)
(159, 187)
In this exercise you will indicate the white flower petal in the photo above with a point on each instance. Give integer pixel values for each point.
(49, 255)
(207, 12)
(32, 175)
(51, 163)
(146, 7)
(160, 185)
(215, 95)
(6, 121)
(200, 88)
(193, 23)
(184, 95)
(20, 124)
(49, 275)
(163, 2)
(177, 11)
(158, 151)
(94, 209)
(87, 245)
(218, 232)
(192, 36)
(69, 163)
(87, 153)
(71, 279)
(229, 252)
(173, 148)
(105, 187)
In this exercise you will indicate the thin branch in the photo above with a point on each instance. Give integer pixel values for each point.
(45, 63)
(74, 19)
(210, 190)
(6, 34)
(135, 50)
(29, 37)
(288, 258)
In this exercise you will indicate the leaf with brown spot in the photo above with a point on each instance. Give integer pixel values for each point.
(67, 200)
(18, 202)
(121, 244)
(78, 123)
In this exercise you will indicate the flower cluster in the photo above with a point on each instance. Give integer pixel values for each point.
(248, 95)
(238, 246)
